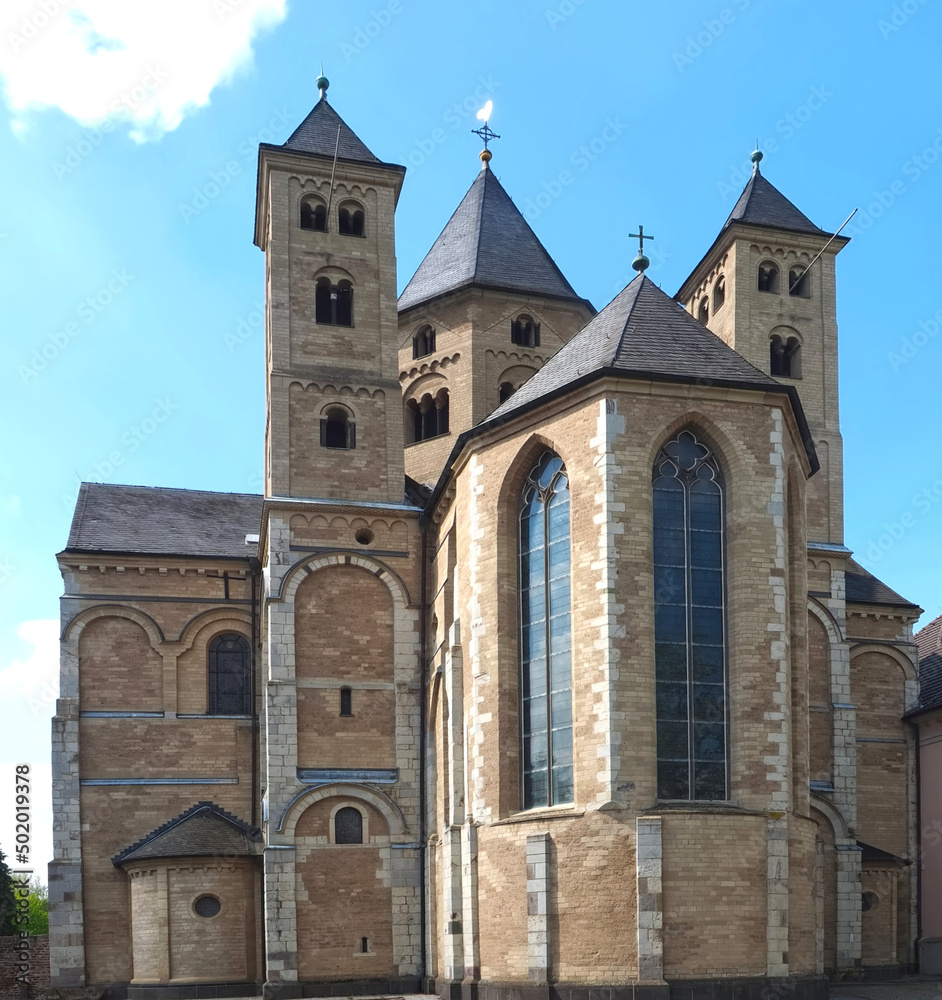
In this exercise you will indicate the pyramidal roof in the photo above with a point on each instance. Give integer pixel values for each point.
(762, 204)
(642, 332)
(318, 134)
(487, 242)
(204, 829)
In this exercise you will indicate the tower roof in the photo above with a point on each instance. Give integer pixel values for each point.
(488, 243)
(762, 204)
(645, 333)
(318, 134)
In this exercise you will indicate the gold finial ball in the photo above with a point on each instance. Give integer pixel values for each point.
(486, 156)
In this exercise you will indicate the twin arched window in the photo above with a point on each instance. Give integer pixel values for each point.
(230, 676)
(428, 416)
(338, 430)
(351, 219)
(689, 622)
(504, 391)
(545, 636)
(525, 331)
(785, 356)
(799, 281)
(333, 303)
(767, 280)
(423, 343)
(313, 215)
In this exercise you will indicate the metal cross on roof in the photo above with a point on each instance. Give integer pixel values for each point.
(640, 263)
(486, 133)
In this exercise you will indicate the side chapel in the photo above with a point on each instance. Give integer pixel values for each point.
(542, 665)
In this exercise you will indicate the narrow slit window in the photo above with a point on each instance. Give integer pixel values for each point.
(346, 701)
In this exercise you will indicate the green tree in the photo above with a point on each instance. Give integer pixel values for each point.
(7, 898)
(38, 907)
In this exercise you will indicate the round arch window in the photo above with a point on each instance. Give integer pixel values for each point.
(207, 906)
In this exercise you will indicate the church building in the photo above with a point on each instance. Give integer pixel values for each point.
(541, 671)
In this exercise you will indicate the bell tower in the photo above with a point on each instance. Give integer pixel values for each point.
(324, 219)
(767, 288)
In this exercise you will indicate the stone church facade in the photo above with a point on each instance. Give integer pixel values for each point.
(540, 668)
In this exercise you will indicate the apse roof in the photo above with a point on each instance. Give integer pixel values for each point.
(488, 243)
(641, 332)
(863, 587)
(149, 520)
(203, 830)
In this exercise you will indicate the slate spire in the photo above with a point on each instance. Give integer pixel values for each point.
(762, 204)
(489, 244)
(318, 133)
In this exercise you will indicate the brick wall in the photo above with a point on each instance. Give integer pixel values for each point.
(9, 963)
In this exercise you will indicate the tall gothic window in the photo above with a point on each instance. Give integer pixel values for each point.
(689, 626)
(230, 680)
(545, 636)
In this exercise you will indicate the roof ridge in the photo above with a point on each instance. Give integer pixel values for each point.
(169, 489)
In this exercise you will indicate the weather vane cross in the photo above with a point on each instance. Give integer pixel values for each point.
(640, 263)
(486, 132)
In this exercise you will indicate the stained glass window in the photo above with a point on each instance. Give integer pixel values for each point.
(689, 622)
(230, 681)
(545, 636)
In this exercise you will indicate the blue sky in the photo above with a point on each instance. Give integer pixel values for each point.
(132, 349)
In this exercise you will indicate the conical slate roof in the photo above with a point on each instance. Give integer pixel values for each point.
(487, 242)
(762, 204)
(203, 830)
(642, 332)
(929, 646)
(318, 134)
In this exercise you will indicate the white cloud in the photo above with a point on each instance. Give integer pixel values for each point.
(32, 685)
(147, 63)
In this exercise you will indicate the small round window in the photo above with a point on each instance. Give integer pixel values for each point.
(869, 901)
(207, 906)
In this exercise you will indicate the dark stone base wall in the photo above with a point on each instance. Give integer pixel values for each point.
(753, 988)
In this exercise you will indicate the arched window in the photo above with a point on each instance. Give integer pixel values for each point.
(338, 430)
(230, 679)
(350, 219)
(799, 282)
(333, 303)
(525, 331)
(689, 622)
(346, 701)
(785, 357)
(348, 826)
(429, 416)
(545, 636)
(314, 215)
(703, 312)
(719, 294)
(768, 277)
(423, 342)
(505, 390)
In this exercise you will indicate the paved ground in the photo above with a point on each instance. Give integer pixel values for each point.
(912, 988)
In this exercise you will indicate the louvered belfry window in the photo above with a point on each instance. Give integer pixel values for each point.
(230, 679)
(545, 636)
(689, 622)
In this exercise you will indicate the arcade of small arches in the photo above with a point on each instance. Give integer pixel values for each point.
(427, 416)
(768, 279)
